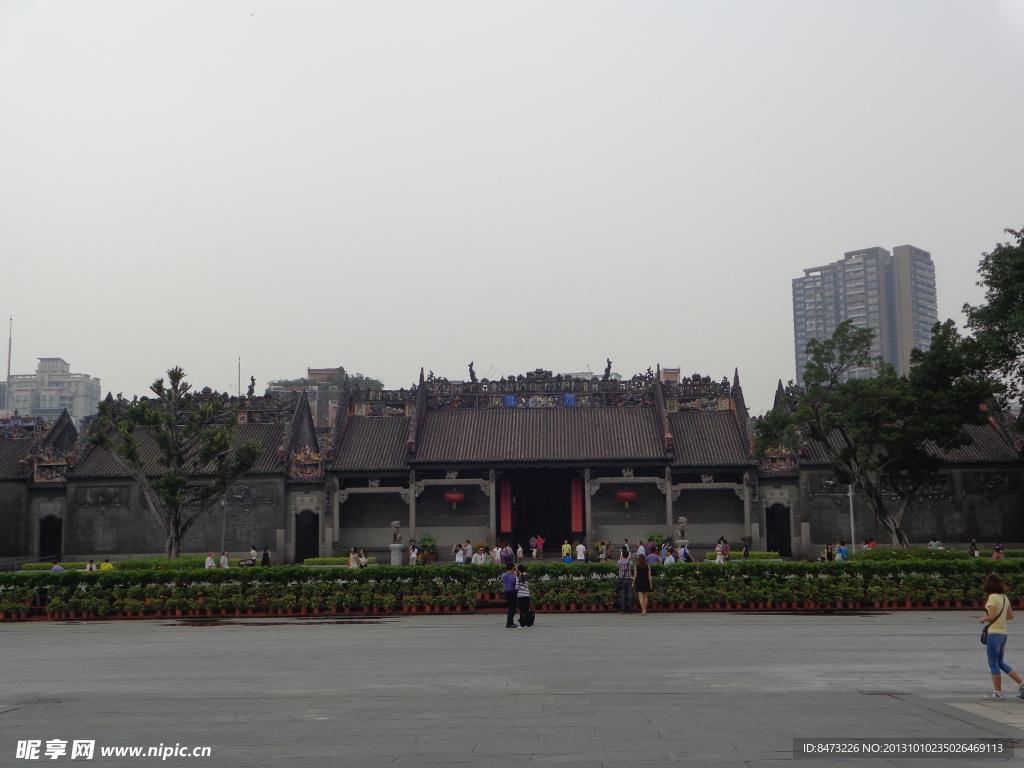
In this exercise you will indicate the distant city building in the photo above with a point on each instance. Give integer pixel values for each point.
(588, 375)
(891, 293)
(53, 389)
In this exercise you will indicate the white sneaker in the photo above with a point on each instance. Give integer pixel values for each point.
(994, 697)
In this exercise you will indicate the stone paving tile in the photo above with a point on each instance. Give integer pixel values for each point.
(441, 692)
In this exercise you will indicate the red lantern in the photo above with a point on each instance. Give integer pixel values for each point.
(625, 497)
(455, 498)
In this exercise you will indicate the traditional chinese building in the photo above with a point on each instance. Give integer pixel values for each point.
(543, 454)
(559, 456)
(978, 493)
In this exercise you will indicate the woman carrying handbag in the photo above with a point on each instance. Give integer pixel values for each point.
(993, 636)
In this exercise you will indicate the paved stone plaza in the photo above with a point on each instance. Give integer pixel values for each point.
(728, 689)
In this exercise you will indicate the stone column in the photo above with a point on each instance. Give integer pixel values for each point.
(746, 507)
(588, 517)
(412, 505)
(492, 508)
(669, 521)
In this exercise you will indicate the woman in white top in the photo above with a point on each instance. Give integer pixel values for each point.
(210, 562)
(353, 558)
(581, 552)
(998, 610)
(460, 555)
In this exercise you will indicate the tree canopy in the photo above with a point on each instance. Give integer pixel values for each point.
(196, 451)
(886, 434)
(998, 324)
(336, 381)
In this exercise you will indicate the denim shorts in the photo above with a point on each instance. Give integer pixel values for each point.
(994, 649)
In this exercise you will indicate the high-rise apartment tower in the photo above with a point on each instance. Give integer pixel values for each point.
(891, 293)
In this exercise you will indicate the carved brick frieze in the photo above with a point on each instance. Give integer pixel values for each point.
(988, 484)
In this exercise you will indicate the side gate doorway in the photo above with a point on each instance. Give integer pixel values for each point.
(51, 538)
(307, 535)
(779, 532)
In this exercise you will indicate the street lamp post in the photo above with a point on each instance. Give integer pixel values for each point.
(224, 521)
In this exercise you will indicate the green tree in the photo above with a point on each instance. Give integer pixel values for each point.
(884, 434)
(998, 324)
(192, 435)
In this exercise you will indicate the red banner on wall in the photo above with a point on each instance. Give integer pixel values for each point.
(505, 503)
(577, 504)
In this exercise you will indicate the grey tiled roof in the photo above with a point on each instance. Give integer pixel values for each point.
(532, 435)
(373, 443)
(988, 446)
(99, 463)
(708, 438)
(12, 451)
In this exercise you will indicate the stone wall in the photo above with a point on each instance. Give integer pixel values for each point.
(15, 532)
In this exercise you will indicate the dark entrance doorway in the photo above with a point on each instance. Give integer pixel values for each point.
(51, 538)
(307, 535)
(542, 504)
(779, 536)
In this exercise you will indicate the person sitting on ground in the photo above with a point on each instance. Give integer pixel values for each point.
(864, 545)
(91, 566)
(224, 562)
(871, 544)
(997, 553)
(210, 561)
(106, 565)
(935, 543)
(57, 568)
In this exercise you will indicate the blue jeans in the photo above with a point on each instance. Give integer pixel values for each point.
(994, 649)
(625, 595)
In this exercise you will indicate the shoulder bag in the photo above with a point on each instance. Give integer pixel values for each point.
(984, 632)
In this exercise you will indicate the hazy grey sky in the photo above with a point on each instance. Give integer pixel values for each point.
(529, 184)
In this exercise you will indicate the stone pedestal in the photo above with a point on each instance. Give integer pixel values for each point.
(396, 553)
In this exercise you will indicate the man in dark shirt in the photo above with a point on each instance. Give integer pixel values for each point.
(625, 583)
(508, 584)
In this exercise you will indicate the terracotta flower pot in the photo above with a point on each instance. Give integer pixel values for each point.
(458, 609)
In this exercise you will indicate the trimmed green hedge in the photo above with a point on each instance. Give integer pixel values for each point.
(735, 555)
(186, 562)
(924, 553)
(334, 561)
(292, 587)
